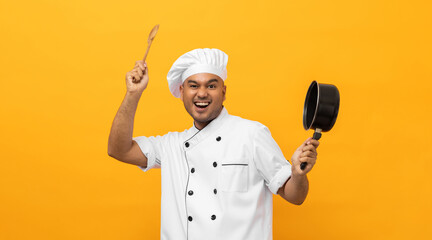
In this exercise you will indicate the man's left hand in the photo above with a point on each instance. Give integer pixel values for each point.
(305, 153)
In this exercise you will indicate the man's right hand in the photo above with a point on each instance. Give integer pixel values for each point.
(137, 79)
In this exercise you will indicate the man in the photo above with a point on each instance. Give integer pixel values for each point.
(218, 176)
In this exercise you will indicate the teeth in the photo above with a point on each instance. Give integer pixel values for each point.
(202, 104)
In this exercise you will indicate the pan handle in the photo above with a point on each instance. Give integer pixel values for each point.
(316, 136)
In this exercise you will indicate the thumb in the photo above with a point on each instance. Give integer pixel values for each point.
(300, 148)
(307, 141)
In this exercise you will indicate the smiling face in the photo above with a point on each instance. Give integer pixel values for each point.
(203, 95)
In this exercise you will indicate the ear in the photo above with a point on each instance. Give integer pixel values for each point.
(181, 92)
(224, 92)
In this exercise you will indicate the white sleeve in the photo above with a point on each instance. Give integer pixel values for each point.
(269, 160)
(152, 149)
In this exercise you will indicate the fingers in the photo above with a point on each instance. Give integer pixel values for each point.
(309, 145)
(312, 141)
(300, 148)
(310, 160)
(309, 153)
(135, 75)
(306, 153)
(309, 148)
(306, 142)
(139, 70)
(140, 65)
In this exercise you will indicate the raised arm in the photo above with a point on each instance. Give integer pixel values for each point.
(296, 187)
(120, 143)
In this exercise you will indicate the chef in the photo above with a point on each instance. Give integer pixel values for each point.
(219, 176)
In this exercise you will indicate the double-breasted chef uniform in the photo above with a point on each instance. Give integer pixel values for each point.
(217, 183)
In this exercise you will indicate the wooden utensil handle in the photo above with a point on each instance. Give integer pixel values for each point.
(146, 53)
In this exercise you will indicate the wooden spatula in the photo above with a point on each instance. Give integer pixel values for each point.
(152, 35)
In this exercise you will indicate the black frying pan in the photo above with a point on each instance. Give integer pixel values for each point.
(320, 109)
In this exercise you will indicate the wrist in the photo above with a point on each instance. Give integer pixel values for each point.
(134, 93)
(297, 174)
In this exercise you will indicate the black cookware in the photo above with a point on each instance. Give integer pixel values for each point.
(320, 109)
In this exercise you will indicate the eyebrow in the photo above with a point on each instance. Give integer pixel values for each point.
(210, 81)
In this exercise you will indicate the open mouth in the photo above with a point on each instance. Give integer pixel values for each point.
(202, 104)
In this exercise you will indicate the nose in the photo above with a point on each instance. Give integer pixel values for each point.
(202, 92)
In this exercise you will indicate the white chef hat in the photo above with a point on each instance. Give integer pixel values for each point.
(204, 60)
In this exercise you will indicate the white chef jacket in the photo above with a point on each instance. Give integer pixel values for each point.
(217, 183)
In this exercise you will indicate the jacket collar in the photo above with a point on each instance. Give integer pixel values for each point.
(195, 135)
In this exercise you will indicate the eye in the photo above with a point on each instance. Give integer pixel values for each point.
(212, 86)
(193, 86)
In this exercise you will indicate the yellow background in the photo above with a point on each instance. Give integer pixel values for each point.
(62, 80)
